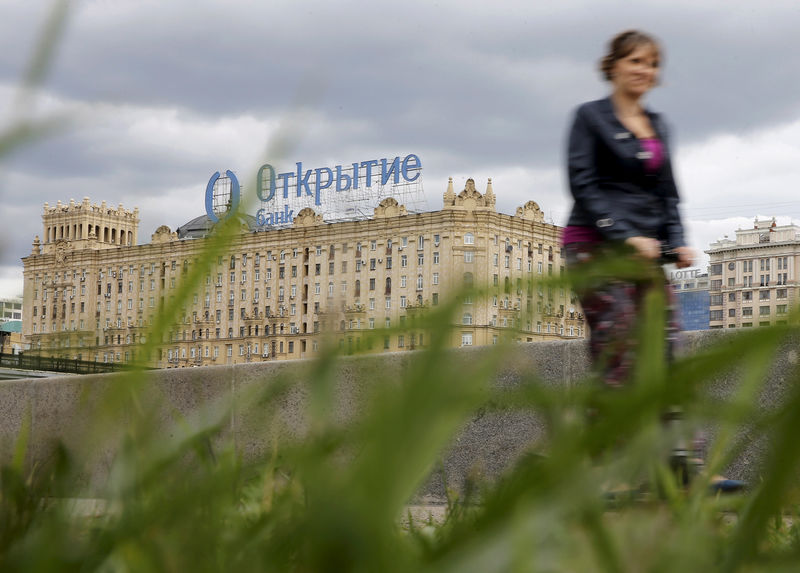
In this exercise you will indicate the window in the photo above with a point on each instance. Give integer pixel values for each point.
(403, 261)
(388, 263)
(731, 297)
(388, 302)
(763, 295)
(468, 256)
(715, 315)
(469, 239)
(731, 313)
(420, 259)
(780, 293)
(435, 278)
(403, 301)
(747, 295)
(781, 309)
(747, 311)
(466, 319)
(466, 339)
(715, 269)
(436, 257)
(372, 264)
(420, 282)
(421, 242)
(763, 311)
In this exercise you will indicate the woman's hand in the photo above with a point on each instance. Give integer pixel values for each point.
(645, 246)
(686, 257)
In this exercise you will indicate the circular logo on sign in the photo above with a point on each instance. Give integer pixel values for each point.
(222, 196)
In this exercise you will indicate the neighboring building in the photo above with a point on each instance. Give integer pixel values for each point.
(753, 280)
(11, 337)
(10, 309)
(691, 289)
(91, 292)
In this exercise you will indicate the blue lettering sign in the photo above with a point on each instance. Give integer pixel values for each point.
(311, 183)
(260, 182)
(411, 161)
(233, 205)
(302, 180)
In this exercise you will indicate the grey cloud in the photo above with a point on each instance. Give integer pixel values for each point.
(472, 88)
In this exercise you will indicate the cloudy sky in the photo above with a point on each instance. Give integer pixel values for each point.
(160, 94)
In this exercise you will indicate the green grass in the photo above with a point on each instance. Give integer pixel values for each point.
(188, 500)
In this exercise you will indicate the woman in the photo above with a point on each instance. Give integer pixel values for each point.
(626, 202)
(620, 176)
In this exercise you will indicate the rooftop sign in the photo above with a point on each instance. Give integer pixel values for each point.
(342, 188)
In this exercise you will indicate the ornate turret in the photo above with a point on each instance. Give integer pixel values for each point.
(449, 195)
(389, 207)
(489, 195)
(469, 199)
(86, 226)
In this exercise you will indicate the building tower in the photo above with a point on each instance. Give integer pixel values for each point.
(82, 225)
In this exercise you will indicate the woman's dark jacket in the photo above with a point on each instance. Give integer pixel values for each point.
(613, 193)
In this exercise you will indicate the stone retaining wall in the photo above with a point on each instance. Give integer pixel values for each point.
(63, 408)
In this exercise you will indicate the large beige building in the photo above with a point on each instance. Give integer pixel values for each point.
(92, 293)
(753, 279)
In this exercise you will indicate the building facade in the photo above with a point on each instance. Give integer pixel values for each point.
(10, 309)
(92, 293)
(753, 280)
(691, 289)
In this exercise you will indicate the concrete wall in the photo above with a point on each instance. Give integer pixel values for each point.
(65, 408)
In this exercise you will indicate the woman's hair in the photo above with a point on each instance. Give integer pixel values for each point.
(622, 45)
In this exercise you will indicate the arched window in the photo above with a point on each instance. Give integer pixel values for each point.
(388, 285)
(358, 288)
(469, 239)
